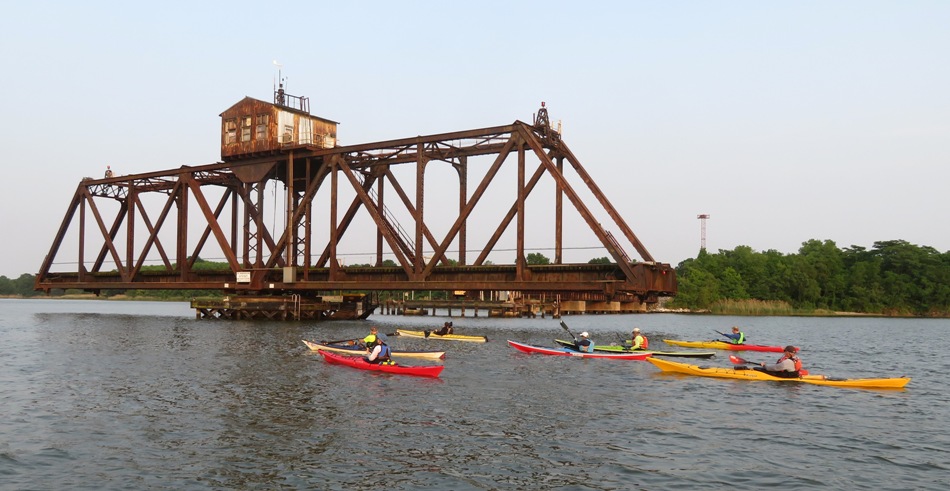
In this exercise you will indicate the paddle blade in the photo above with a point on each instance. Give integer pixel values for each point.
(738, 361)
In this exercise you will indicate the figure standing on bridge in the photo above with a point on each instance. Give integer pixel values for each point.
(109, 171)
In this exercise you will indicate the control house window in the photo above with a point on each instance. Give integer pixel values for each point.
(246, 129)
(262, 120)
(230, 131)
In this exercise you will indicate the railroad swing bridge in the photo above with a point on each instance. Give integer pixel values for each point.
(150, 230)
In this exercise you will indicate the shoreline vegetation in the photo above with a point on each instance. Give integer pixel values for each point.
(891, 279)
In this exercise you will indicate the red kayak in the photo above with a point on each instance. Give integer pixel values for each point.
(527, 348)
(359, 362)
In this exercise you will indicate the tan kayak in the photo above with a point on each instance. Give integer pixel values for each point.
(447, 337)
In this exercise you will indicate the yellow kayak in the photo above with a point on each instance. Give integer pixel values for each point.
(447, 337)
(724, 345)
(748, 374)
(356, 350)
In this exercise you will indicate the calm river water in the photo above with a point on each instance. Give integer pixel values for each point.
(140, 395)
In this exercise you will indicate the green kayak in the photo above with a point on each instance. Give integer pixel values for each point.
(626, 349)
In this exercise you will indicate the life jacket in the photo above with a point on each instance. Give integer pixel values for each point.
(798, 366)
(644, 343)
(384, 353)
(585, 345)
(383, 357)
(740, 340)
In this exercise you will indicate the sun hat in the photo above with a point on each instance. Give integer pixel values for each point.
(636, 329)
(791, 349)
(584, 334)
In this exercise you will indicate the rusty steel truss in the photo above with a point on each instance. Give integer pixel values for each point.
(148, 231)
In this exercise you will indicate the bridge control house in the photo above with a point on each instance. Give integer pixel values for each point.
(252, 127)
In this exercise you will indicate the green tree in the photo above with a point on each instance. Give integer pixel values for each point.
(698, 289)
(828, 266)
(6, 286)
(731, 285)
(537, 258)
(23, 285)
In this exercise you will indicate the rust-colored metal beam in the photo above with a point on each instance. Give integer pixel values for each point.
(257, 263)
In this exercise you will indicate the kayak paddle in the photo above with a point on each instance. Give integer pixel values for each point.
(623, 344)
(563, 325)
(353, 340)
(350, 341)
(741, 361)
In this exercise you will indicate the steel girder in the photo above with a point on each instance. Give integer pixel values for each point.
(231, 215)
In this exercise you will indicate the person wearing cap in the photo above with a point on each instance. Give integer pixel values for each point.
(370, 340)
(788, 366)
(737, 336)
(380, 352)
(640, 342)
(584, 344)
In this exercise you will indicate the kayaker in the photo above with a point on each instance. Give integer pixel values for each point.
(640, 342)
(370, 340)
(788, 366)
(737, 336)
(584, 344)
(380, 352)
(445, 329)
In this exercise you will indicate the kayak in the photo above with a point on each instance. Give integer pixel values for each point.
(724, 345)
(527, 348)
(447, 337)
(749, 374)
(359, 362)
(354, 349)
(626, 349)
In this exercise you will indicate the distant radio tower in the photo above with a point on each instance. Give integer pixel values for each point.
(702, 235)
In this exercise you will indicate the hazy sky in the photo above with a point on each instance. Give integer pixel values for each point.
(785, 121)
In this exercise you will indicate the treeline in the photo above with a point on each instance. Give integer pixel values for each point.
(22, 286)
(892, 278)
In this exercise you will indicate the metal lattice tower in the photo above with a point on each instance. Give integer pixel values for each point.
(702, 240)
